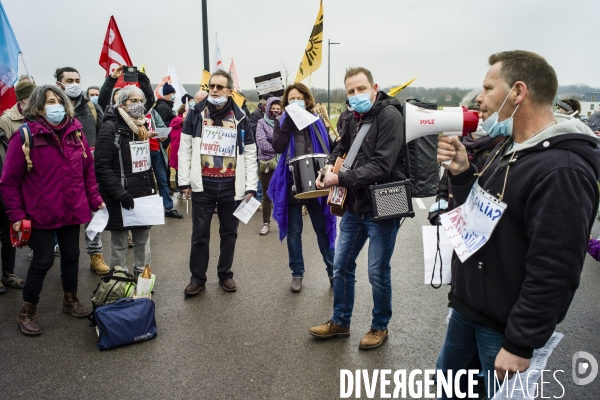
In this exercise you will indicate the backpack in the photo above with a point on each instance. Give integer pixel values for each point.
(116, 285)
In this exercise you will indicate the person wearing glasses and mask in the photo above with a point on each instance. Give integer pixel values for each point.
(217, 168)
(287, 210)
(128, 121)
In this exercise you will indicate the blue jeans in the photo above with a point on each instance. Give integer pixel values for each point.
(160, 173)
(354, 232)
(469, 345)
(294, 237)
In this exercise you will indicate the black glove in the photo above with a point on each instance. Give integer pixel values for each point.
(126, 201)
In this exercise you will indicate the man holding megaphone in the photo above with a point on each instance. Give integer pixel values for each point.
(509, 294)
(378, 132)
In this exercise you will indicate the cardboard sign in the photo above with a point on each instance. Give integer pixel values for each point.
(270, 83)
(218, 141)
(140, 156)
(470, 226)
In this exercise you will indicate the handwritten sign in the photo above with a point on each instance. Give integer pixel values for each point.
(140, 156)
(470, 226)
(218, 141)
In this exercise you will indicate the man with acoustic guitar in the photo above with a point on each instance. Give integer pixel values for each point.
(377, 125)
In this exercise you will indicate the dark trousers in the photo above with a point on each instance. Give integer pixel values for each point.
(8, 252)
(220, 195)
(42, 244)
(267, 204)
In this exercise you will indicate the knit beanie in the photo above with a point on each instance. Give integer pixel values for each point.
(167, 89)
(24, 89)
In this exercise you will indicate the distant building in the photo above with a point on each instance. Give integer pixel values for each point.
(592, 97)
(448, 98)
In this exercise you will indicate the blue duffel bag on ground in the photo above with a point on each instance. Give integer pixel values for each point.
(124, 322)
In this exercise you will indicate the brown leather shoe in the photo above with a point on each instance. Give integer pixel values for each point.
(228, 285)
(193, 289)
(329, 330)
(373, 339)
(72, 305)
(27, 320)
(296, 286)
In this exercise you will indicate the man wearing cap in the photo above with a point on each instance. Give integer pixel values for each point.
(164, 105)
(10, 122)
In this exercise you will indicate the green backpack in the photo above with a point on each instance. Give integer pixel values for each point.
(112, 287)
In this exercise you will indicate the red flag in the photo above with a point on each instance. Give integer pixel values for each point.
(114, 53)
(8, 99)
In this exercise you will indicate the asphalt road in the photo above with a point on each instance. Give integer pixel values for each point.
(254, 343)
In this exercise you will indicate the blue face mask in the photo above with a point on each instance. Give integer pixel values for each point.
(55, 113)
(502, 128)
(300, 103)
(94, 99)
(361, 103)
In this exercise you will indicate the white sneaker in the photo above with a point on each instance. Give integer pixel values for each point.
(265, 229)
(56, 251)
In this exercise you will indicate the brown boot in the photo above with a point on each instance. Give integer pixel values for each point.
(72, 305)
(27, 320)
(329, 330)
(373, 339)
(98, 265)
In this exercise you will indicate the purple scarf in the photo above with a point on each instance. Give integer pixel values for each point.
(279, 186)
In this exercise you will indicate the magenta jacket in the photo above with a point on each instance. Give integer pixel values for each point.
(176, 128)
(61, 187)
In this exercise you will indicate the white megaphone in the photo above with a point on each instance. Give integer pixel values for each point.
(452, 121)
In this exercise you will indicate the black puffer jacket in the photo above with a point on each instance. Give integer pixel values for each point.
(522, 281)
(378, 158)
(108, 170)
(164, 108)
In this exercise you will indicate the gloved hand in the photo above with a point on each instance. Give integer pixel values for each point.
(126, 201)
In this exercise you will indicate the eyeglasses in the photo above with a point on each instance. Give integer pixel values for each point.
(217, 87)
(134, 101)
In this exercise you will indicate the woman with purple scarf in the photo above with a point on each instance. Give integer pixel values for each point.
(267, 157)
(292, 142)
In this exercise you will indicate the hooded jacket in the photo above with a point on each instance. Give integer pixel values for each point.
(264, 133)
(377, 161)
(175, 136)
(61, 187)
(522, 281)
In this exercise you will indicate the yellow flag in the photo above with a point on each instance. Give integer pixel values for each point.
(238, 98)
(313, 54)
(205, 80)
(398, 89)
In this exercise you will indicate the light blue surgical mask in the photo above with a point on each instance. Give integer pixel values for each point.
(502, 128)
(361, 103)
(55, 113)
(301, 103)
(94, 99)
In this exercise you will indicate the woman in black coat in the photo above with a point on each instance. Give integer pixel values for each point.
(127, 122)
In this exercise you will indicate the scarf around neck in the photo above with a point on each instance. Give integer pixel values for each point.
(219, 114)
(136, 125)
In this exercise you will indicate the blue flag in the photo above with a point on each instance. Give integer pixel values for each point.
(9, 53)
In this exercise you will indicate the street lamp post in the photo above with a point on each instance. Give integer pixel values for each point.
(329, 43)
(205, 35)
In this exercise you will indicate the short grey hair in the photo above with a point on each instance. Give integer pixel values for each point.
(220, 72)
(36, 106)
(470, 99)
(25, 76)
(126, 92)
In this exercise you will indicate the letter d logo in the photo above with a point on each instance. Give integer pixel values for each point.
(581, 368)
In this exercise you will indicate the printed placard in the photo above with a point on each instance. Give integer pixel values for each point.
(470, 226)
(218, 141)
(140, 156)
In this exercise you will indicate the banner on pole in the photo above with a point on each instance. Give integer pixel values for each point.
(270, 83)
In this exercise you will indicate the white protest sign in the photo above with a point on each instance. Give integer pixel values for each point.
(300, 116)
(470, 226)
(246, 210)
(270, 83)
(146, 211)
(97, 224)
(523, 385)
(429, 256)
(218, 141)
(140, 156)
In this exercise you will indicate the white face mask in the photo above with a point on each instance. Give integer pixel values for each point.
(73, 90)
(217, 101)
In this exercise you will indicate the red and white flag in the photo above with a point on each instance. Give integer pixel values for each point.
(234, 75)
(114, 53)
(217, 61)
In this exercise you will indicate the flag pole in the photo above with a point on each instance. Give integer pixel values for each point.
(205, 35)
(25, 65)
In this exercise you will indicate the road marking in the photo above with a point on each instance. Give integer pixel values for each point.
(421, 204)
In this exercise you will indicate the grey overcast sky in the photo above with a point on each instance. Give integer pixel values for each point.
(442, 42)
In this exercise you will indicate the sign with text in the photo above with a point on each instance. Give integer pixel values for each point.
(270, 83)
(140, 156)
(218, 141)
(470, 226)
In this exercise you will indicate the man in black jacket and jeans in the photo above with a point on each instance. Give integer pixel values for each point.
(376, 162)
(508, 296)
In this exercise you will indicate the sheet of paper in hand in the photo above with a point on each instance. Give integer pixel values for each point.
(146, 211)
(140, 156)
(300, 116)
(162, 132)
(97, 224)
(246, 210)
(470, 226)
(218, 141)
